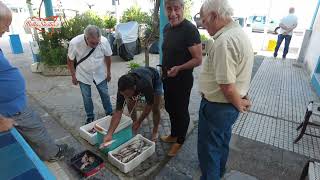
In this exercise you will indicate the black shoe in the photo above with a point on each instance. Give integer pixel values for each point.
(283, 57)
(61, 153)
(275, 55)
(109, 114)
(89, 120)
(222, 173)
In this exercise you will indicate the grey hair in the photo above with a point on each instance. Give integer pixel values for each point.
(92, 31)
(4, 11)
(172, 1)
(221, 7)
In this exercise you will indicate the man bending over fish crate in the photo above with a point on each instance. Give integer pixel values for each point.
(142, 81)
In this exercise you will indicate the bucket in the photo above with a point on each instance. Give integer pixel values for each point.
(271, 45)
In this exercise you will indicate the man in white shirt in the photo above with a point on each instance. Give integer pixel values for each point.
(287, 24)
(93, 67)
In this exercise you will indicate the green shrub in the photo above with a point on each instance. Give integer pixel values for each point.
(204, 37)
(135, 14)
(133, 65)
(109, 21)
(75, 26)
(187, 9)
(52, 52)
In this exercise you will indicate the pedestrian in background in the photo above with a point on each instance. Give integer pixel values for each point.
(287, 25)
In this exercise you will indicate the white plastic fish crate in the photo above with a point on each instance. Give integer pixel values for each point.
(84, 131)
(126, 167)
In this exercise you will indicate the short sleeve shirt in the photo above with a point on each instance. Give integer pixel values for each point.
(146, 78)
(93, 68)
(230, 61)
(13, 97)
(290, 21)
(176, 42)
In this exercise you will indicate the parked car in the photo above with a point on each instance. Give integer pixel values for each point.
(258, 24)
(197, 20)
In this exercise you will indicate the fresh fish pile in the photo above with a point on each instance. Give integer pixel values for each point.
(86, 161)
(131, 151)
(92, 131)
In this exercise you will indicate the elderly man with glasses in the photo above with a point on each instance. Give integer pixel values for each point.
(89, 61)
(224, 83)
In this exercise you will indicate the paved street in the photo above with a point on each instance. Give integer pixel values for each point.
(261, 146)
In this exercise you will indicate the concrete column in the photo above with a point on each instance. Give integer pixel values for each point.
(307, 36)
(34, 31)
(304, 45)
(163, 22)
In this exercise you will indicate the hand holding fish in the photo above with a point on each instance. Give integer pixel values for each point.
(106, 141)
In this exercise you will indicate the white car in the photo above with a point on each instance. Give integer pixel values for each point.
(258, 24)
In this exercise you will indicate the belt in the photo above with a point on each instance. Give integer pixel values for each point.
(203, 96)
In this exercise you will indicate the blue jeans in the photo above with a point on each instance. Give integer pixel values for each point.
(286, 45)
(214, 134)
(87, 98)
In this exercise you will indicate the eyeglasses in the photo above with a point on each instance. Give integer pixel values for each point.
(204, 18)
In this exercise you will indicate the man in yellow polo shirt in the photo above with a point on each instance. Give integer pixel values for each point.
(224, 83)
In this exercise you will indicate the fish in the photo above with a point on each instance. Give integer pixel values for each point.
(86, 161)
(104, 145)
(131, 151)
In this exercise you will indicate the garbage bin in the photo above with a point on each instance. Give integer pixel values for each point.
(272, 44)
(15, 44)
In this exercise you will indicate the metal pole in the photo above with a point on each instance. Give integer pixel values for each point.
(34, 33)
(48, 8)
(163, 22)
(265, 32)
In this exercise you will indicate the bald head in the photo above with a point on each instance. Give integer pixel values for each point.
(4, 11)
(5, 18)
